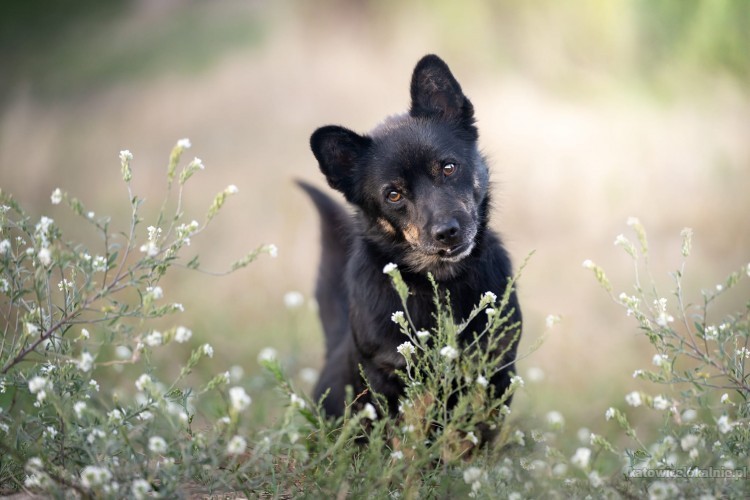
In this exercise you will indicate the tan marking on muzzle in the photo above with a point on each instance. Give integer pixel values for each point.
(386, 226)
(411, 234)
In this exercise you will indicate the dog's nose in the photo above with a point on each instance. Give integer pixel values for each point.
(446, 232)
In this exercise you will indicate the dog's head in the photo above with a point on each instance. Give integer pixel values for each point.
(418, 178)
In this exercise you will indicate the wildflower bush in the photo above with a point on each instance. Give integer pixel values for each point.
(73, 317)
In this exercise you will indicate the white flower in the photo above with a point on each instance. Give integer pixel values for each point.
(482, 381)
(45, 257)
(555, 419)
(140, 488)
(369, 412)
(406, 349)
(178, 307)
(389, 268)
(94, 384)
(239, 398)
(37, 384)
(689, 415)
(633, 221)
(397, 455)
(232, 189)
(595, 479)
(154, 339)
(156, 292)
(267, 354)
(297, 402)
(490, 312)
(56, 197)
(662, 317)
(516, 381)
(660, 359)
(293, 300)
(126, 155)
(156, 444)
(182, 334)
(634, 399)
(552, 320)
(90, 215)
(50, 432)
(581, 458)
(660, 402)
(4, 286)
(145, 416)
(142, 382)
(637, 373)
(743, 353)
(115, 415)
(660, 490)
(78, 408)
(724, 425)
(449, 352)
(610, 413)
(397, 317)
(4, 247)
(422, 334)
(236, 445)
(86, 362)
(473, 474)
(208, 350)
(588, 264)
(151, 249)
(725, 398)
(184, 143)
(272, 250)
(92, 476)
(85, 334)
(689, 441)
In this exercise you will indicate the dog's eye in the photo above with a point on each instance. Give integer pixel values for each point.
(449, 169)
(394, 196)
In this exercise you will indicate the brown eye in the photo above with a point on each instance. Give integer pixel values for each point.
(449, 169)
(394, 196)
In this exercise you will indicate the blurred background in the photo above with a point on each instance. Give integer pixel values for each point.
(590, 112)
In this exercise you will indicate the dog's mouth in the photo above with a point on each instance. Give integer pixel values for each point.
(457, 252)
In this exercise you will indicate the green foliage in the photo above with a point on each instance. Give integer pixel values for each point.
(62, 431)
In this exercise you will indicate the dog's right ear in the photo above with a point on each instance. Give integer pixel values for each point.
(338, 150)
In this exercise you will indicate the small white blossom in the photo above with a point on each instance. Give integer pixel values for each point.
(406, 349)
(239, 398)
(50, 432)
(634, 399)
(267, 354)
(182, 334)
(397, 455)
(610, 413)
(142, 382)
(637, 373)
(140, 488)
(94, 384)
(297, 402)
(689, 441)
(156, 292)
(661, 403)
(293, 300)
(422, 334)
(232, 189)
(743, 353)
(86, 363)
(37, 384)
(145, 416)
(154, 339)
(581, 458)
(208, 350)
(93, 476)
(490, 312)
(473, 474)
(389, 268)
(45, 257)
(488, 298)
(4, 247)
(555, 419)
(660, 359)
(85, 334)
(369, 412)
(552, 320)
(157, 444)
(482, 381)
(662, 317)
(516, 381)
(115, 415)
(78, 408)
(56, 196)
(90, 215)
(272, 250)
(588, 264)
(449, 352)
(236, 445)
(397, 317)
(184, 143)
(724, 425)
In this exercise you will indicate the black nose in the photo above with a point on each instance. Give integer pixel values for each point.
(446, 232)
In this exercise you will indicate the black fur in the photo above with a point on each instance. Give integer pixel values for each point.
(420, 191)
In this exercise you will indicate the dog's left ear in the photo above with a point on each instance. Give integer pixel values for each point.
(436, 93)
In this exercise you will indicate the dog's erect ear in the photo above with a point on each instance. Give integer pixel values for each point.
(337, 150)
(436, 93)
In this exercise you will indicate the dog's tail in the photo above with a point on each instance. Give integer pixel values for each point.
(335, 235)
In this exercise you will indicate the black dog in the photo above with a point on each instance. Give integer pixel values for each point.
(420, 188)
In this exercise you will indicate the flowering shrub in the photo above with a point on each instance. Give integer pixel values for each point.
(74, 316)
(62, 306)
